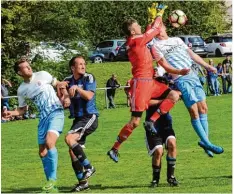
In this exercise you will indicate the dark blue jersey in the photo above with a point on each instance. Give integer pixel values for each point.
(79, 106)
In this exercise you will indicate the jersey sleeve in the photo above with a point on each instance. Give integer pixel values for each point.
(156, 52)
(47, 77)
(90, 83)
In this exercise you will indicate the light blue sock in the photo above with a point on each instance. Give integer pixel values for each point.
(204, 123)
(53, 163)
(45, 163)
(197, 126)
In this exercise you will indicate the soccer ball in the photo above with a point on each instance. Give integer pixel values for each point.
(177, 18)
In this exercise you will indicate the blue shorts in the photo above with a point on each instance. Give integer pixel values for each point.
(191, 89)
(53, 122)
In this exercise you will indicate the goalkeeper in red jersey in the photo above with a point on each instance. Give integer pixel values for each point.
(143, 86)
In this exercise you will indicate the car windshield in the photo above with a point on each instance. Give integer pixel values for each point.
(195, 39)
(225, 39)
(120, 43)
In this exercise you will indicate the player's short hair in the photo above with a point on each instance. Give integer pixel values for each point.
(19, 61)
(72, 61)
(126, 25)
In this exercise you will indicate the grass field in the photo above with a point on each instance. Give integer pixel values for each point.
(22, 169)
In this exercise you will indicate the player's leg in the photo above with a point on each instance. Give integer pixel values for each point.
(202, 109)
(171, 160)
(89, 125)
(82, 184)
(124, 133)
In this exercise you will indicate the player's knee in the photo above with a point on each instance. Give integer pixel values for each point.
(158, 153)
(134, 123)
(203, 109)
(68, 139)
(171, 145)
(174, 96)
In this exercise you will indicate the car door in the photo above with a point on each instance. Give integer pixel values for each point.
(105, 48)
(210, 45)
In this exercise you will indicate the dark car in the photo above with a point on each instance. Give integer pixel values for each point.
(196, 43)
(122, 55)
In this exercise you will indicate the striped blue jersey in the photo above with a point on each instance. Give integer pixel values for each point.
(41, 92)
(174, 50)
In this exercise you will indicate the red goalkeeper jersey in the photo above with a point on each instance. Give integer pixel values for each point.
(139, 54)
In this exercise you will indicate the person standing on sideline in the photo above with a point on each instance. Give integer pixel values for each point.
(38, 87)
(5, 84)
(113, 84)
(227, 70)
(179, 56)
(80, 88)
(213, 77)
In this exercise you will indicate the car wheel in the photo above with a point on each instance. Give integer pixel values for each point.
(218, 53)
(112, 57)
(97, 59)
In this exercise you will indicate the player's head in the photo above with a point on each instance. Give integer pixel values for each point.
(114, 76)
(163, 33)
(23, 68)
(211, 62)
(228, 57)
(131, 27)
(78, 65)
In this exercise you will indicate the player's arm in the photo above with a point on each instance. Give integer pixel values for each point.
(154, 102)
(18, 112)
(163, 62)
(63, 94)
(200, 61)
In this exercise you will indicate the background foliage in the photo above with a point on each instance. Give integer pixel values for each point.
(89, 22)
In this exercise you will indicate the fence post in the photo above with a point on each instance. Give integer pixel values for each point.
(105, 93)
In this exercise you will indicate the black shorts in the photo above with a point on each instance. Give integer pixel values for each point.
(88, 123)
(154, 141)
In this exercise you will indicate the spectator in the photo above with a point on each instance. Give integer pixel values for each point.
(227, 68)
(113, 84)
(221, 74)
(213, 78)
(197, 69)
(5, 84)
(126, 90)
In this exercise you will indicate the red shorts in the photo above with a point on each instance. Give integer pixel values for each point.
(144, 89)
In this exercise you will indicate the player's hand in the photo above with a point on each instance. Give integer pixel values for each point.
(211, 69)
(152, 11)
(66, 102)
(72, 91)
(184, 71)
(160, 10)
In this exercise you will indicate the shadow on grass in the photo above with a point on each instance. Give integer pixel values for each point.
(212, 177)
(92, 187)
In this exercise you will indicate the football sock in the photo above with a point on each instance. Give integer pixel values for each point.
(45, 163)
(53, 163)
(79, 153)
(125, 132)
(156, 172)
(197, 126)
(171, 162)
(164, 107)
(78, 169)
(204, 122)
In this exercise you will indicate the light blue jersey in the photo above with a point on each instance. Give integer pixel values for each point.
(41, 92)
(174, 50)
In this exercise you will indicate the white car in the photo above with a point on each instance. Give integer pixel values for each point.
(51, 52)
(219, 45)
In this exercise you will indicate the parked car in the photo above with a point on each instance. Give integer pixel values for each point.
(96, 57)
(122, 54)
(196, 43)
(219, 45)
(110, 48)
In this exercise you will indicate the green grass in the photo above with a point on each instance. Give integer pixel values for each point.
(22, 168)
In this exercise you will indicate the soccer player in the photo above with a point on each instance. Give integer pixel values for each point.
(143, 86)
(38, 87)
(165, 135)
(81, 88)
(180, 56)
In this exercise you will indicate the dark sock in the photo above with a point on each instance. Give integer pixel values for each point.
(78, 169)
(171, 162)
(79, 153)
(156, 172)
